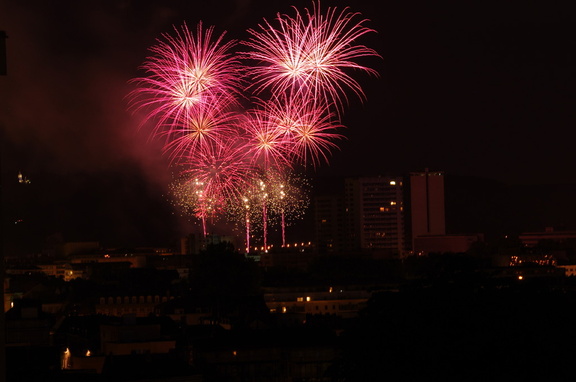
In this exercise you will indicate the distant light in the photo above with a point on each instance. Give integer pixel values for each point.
(392, 182)
(88, 354)
(308, 298)
(283, 309)
(520, 277)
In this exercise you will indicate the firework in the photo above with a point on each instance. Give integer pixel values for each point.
(242, 160)
(265, 139)
(223, 169)
(308, 129)
(188, 195)
(205, 126)
(309, 54)
(185, 72)
(288, 198)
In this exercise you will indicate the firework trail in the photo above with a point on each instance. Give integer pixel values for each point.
(288, 198)
(188, 196)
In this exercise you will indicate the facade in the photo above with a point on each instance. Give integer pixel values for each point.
(298, 304)
(383, 215)
(374, 214)
(138, 306)
(427, 214)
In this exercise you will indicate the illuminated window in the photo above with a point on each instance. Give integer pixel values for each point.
(392, 182)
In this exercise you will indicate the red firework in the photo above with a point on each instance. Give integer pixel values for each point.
(187, 71)
(309, 54)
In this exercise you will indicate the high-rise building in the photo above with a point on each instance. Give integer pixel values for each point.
(427, 203)
(382, 215)
(374, 214)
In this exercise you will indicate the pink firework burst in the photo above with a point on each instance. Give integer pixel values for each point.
(306, 130)
(186, 71)
(310, 53)
(203, 127)
(265, 139)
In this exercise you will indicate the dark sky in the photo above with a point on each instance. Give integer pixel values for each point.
(474, 88)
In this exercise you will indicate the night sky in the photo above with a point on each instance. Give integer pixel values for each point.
(483, 89)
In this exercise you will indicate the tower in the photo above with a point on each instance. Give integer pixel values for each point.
(427, 203)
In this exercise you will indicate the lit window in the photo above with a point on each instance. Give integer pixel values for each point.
(392, 203)
(392, 182)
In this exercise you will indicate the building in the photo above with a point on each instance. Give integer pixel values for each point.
(295, 304)
(374, 215)
(427, 216)
(531, 239)
(383, 215)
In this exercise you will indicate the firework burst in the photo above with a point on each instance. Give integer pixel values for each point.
(223, 169)
(309, 54)
(187, 71)
(205, 126)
